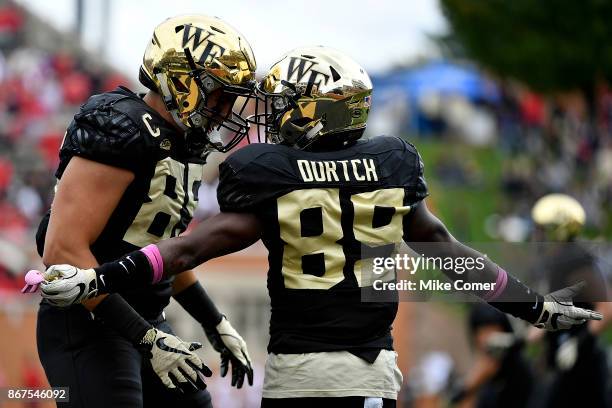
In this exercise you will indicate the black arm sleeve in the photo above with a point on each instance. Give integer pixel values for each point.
(116, 313)
(519, 301)
(133, 270)
(199, 305)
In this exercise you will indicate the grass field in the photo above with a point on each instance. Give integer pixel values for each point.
(463, 208)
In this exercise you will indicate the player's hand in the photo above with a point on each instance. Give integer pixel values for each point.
(226, 340)
(559, 312)
(65, 285)
(175, 362)
(567, 353)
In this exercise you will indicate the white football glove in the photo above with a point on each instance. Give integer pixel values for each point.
(559, 312)
(174, 360)
(65, 285)
(567, 353)
(226, 340)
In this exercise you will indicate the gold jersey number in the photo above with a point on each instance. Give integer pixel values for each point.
(291, 205)
(158, 217)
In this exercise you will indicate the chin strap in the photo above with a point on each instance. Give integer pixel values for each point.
(304, 137)
(309, 136)
(312, 132)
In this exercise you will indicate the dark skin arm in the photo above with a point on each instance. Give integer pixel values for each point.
(424, 228)
(430, 237)
(226, 233)
(230, 232)
(219, 235)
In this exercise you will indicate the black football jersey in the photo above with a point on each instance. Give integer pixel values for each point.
(318, 210)
(119, 129)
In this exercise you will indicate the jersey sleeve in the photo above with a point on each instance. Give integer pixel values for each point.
(102, 133)
(252, 176)
(410, 172)
(233, 194)
(420, 185)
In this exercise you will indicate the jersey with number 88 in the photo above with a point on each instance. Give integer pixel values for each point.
(324, 213)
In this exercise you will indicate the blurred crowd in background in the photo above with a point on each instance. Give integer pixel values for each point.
(541, 145)
(40, 90)
(493, 145)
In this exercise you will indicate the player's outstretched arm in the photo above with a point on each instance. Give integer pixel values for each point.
(551, 312)
(217, 236)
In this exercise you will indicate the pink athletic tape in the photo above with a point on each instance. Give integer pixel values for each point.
(500, 285)
(156, 261)
(33, 279)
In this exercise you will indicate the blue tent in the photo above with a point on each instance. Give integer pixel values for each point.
(440, 77)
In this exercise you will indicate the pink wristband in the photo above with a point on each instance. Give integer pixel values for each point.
(500, 285)
(156, 261)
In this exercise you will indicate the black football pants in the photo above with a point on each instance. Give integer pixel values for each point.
(101, 368)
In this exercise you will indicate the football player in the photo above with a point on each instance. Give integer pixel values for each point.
(499, 368)
(128, 177)
(575, 356)
(319, 197)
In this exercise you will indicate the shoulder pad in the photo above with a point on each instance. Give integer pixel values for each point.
(244, 178)
(402, 165)
(104, 130)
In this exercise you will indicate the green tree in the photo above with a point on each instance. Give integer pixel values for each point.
(550, 45)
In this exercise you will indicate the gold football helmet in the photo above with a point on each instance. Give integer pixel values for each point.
(561, 216)
(313, 94)
(194, 61)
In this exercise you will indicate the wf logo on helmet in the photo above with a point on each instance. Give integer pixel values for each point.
(300, 68)
(197, 37)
